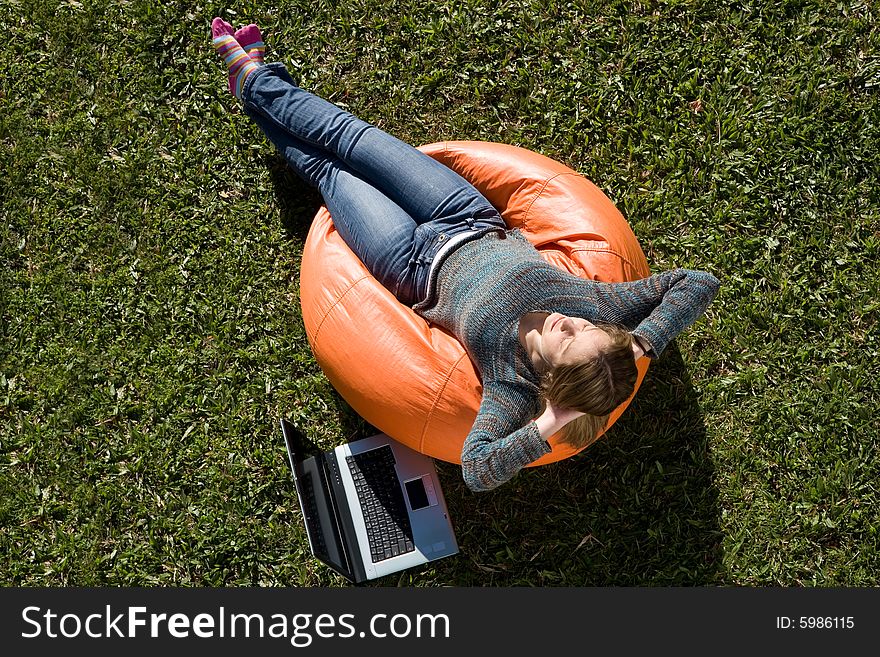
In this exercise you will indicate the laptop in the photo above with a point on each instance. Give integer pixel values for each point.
(372, 507)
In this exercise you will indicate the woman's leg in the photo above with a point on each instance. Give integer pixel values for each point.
(394, 206)
(374, 227)
(427, 190)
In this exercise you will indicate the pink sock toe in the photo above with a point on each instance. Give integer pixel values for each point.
(219, 27)
(248, 34)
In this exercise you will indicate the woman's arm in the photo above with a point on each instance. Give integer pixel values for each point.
(504, 439)
(658, 308)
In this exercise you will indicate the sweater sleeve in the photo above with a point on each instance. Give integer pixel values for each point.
(503, 440)
(658, 308)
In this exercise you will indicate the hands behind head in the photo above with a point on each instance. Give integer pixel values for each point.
(554, 417)
(638, 352)
(563, 415)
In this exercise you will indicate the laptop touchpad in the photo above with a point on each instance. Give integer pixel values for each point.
(420, 492)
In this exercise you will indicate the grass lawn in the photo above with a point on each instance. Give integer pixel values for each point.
(150, 330)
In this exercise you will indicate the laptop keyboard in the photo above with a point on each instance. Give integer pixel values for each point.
(388, 528)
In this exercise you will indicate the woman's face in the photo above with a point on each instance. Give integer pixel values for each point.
(568, 340)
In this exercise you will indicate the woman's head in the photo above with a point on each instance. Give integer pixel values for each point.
(590, 368)
(569, 340)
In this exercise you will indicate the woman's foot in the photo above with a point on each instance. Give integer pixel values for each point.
(250, 38)
(239, 62)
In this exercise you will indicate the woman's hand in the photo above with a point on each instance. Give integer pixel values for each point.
(554, 418)
(638, 352)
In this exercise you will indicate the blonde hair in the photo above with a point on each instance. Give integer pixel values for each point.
(595, 387)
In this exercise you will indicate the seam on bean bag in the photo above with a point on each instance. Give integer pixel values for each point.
(611, 251)
(442, 151)
(436, 401)
(541, 191)
(336, 303)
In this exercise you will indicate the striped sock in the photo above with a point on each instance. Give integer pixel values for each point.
(239, 63)
(250, 38)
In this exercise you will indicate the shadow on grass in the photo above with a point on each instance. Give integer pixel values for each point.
(297, 201)
(638, 508)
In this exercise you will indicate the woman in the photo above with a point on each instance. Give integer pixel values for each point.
(554, 352)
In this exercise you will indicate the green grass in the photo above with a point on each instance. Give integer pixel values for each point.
(151, 335)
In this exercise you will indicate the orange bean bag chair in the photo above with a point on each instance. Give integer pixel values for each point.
(413, 380)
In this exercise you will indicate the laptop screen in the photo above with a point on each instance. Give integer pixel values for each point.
(306, 490)
(316, 502)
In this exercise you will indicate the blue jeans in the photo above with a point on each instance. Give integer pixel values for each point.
(394, 206)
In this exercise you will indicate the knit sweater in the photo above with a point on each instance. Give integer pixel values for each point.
(480, 292)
